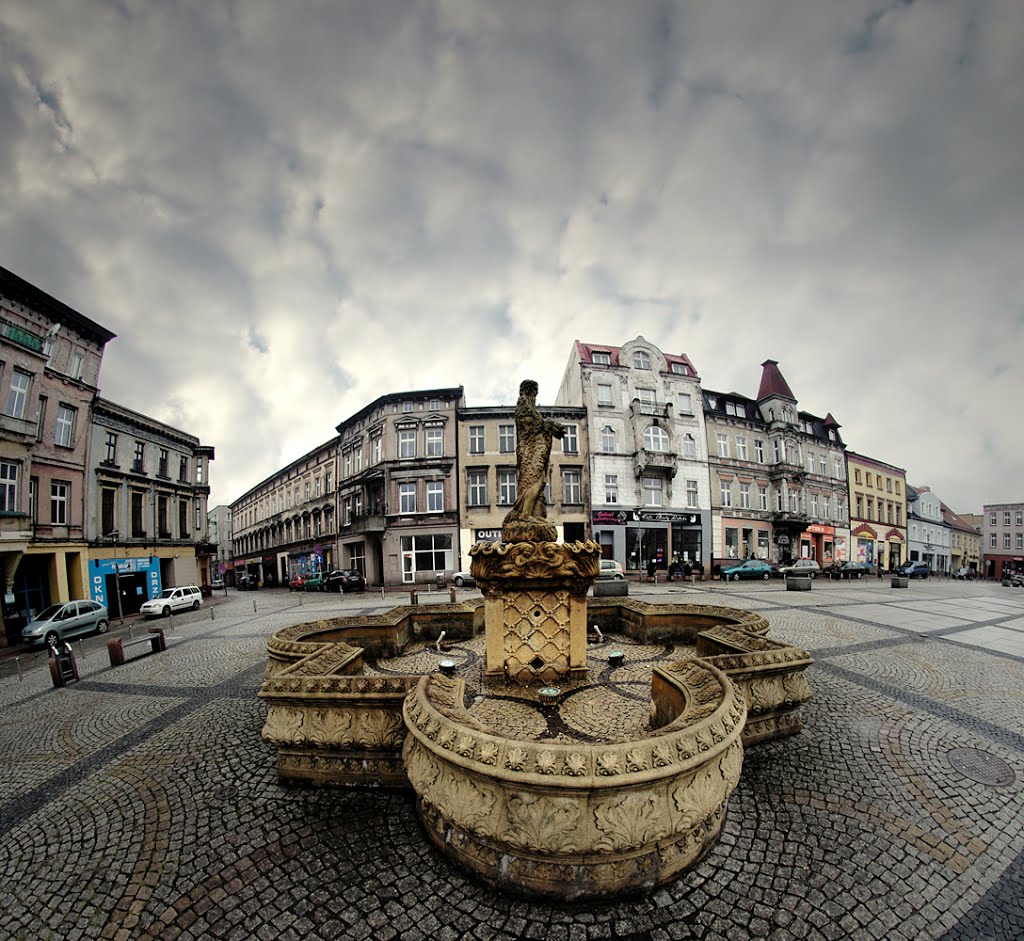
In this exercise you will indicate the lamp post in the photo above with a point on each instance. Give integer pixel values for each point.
(115, 534)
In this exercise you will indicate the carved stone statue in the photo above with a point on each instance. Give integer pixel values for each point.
(527, 520)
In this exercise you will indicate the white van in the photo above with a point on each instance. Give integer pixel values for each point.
(187, 597)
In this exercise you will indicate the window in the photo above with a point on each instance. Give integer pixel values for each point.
(777, 450)
(407, 442)
(608, 438)
(75, 370)
(506, 487)
(679, 369)
(810, 462)
(604, 394)
(111, 449)
(888, 485)
(725, 491)
(685, 403)
(859, 511)
(506, 438)
(572, 486)
(656, 439)
(992, 541)
(722, 443)
(992, 519)
(1006, 518)
(476, 439)
(759, 450)
(1020, 540)
(814, 504)
(641, 359)
(822, 465)
(41, 417)
(745, 496)
(878, 481)
(377, 448)
(138, 464)
(108, 520)
(689, 447)
(1020, 518)
(407, 406)
(8, 487)
(741, 447)
(17, 395)
(138, 529)
(611, 488)
(646, 396)
(601, 358)
(692, 497)
(305, 491)
(64, 429)
(435, 443)
(59, 491)
(435, 496)
(653, 487)
(318, 483)
(1006, 540)
(162, 523)
(407, 498)
(856, 475)
(435, 405)
(762, 495)
(570, 440)
(182, 469)
(199, 471)
(183, 519)
(346, 464)
(477, 487)
(839, 472)
(357, 458)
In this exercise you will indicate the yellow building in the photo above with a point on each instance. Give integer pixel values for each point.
(878, 511)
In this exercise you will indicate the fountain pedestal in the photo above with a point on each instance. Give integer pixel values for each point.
(535, 607)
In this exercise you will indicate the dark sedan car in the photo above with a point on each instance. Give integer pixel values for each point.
(345, 580)
(854, 570)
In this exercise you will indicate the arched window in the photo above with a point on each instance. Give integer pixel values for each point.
(656, 439)
(689, 447)
(608, 438)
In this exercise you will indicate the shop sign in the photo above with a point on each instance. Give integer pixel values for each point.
(821, 528)
(624, 517)
(488, 535)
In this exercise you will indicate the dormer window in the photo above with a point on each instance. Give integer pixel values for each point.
(601, 358)
(641, 359)
(680, 369)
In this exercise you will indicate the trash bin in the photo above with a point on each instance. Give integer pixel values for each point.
(442, 582)
(63, 668)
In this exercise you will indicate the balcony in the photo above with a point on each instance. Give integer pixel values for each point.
(20, 336)
(17, 429)
(657, 462)
(367, 521)
(786, 470)
(789, 516)
(648, 409)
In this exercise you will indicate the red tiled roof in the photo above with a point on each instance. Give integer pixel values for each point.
(586, 354)
(772, 382)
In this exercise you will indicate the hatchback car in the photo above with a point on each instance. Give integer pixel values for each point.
(854, 570)
(183, 598)
(463, 578)
(345, 580)
(752, 568)
(59, 622)
(247, 583)
(611, 569)
(314, 582)
(297, 582)
(800, 567)
(914, 569)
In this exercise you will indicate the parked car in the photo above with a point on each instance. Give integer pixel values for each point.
(183, 598)
(345, 580)
(60, 622)
(752, 568)
(611, 569)
(314, 582)
(966, 573)
(914, 569)
(854, 570)
(1017, 581)
(297, 582)
(800, 567)
(247, 583)
(217, 582)
(462, 578)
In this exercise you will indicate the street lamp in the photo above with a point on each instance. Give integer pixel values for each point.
(115, 534)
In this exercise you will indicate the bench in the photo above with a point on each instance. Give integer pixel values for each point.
(118, 647)
(416, 596)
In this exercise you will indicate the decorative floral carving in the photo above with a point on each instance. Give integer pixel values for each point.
(327, 726)
(696, 797)
(378, 728)
(283, 726)
(447, 737)
(608, 763)
(661, 756)
(466, 746)
(488, 753)
(544, 824)
(546, 762)
(516, 758)
(575, 764)
(636, 760)
(631, 821)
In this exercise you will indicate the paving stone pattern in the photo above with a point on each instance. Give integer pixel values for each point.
(141, 803)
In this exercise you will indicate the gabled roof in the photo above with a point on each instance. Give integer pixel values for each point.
(773, 382)
(586, 351)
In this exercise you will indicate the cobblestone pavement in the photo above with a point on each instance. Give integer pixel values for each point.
(141, 803)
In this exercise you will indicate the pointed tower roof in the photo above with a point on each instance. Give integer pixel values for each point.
(830, 422)
(772, 382)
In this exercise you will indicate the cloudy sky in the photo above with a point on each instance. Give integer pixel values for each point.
(286, 209)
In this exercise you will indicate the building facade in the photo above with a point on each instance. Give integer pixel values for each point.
(1002, 539)
(964, 541)
(928, 534)
(285, 525)
(650, 500)
(777, 475)
(146, 508)
(219, 528)
(487, 474)
(398, 487)
(50, 358)
(878, 511)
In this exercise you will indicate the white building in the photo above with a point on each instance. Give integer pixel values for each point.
(928, 535)
(650, 497)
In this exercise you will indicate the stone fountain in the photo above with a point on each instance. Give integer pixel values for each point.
(561, 816)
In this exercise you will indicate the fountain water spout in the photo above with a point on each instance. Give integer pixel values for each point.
(439, 639)
(597, 631)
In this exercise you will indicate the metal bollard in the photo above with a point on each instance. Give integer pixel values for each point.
(213, 617)
(253, 605)
(81, 648)
(131, 632)
(17, 663)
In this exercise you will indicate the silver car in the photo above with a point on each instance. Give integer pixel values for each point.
(59, 622)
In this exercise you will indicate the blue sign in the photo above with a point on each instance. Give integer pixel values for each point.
(101, 568)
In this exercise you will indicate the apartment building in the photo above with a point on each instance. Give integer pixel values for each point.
(778, 476)
(398, 487)
(964, 541)
(928, 534)
(650, 499)
(1002, 539)
(50, 358)
(878, 511)
(487, 474)
(220, 534)
(285, 525)
(146, 508)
